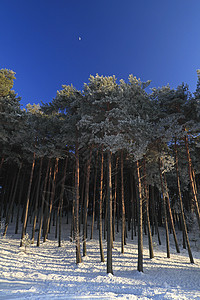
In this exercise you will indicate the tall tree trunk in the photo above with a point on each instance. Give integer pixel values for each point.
(152, 189)
(12, 201)
(170, 215)
(115, 197)
(19, 202)
(61, 200)
(181, 206)
(36, 200)
(27, 202)
(94, 195)
(122, 203)
(78, 252)
(51, 199)
(109, 212)
(165, 211)
(100, 209)
(140, 231)
(86, 202)
(151, 254)
(42, 204)
(192, 180)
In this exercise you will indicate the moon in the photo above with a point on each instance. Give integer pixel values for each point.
(79, 38)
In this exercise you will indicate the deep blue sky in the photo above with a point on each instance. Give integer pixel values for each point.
(152, 39)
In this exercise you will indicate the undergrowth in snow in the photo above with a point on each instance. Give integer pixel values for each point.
(50, 272)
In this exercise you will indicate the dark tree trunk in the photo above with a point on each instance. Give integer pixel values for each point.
(78, 252)
(51, 200)
(192, 180)
(151, 254)
(170, 215)
(61, 200)
(42, 204)
(140, 231)
(94, 196)
(100, 209)
(122, 203)
(185, 233)
(109, 211)
(27, 202)
(115, 197)
(86, 202)
(36, 200)
(165, 212)
(8, 215)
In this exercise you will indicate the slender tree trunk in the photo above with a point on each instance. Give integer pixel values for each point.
(109, 211)
(122, 202)
(151, 254)
(171, 217)
(19, 203)
(94, 196)
(185, 233)
(140, 233)
(78, 252)
(86, 202)
(12, 202)
(192, 180)
(100, 209)
(61, 200)
(51, 199)
(154, 213)
(115, 197)
(36, 200)
(27, 202)
(165, 212)
(42, 204)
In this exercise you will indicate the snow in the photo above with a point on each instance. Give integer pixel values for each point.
(50, 272)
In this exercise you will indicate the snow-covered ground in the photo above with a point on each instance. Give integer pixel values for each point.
(50, 272)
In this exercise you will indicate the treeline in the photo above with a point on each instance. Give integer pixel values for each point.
(111, 156)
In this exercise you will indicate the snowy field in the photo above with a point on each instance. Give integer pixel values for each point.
(49, 272)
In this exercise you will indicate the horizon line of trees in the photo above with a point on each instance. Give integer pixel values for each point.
(128, 159)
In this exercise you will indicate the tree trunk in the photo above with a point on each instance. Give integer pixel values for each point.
(27, 202)
(61, 200)
(51, 199)
(140, 231)
(8, 215)
(122, 203)
(171, 217)
(42, 204)
(94, 196)
(86, 202)
(165, 211)
(115, 197)
(109, 212)
(185, 233)
(36, 201)
(151, 254)
(100, 209)
(78, 252)
(192, 180)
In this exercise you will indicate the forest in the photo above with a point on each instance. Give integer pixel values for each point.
(112, 158)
